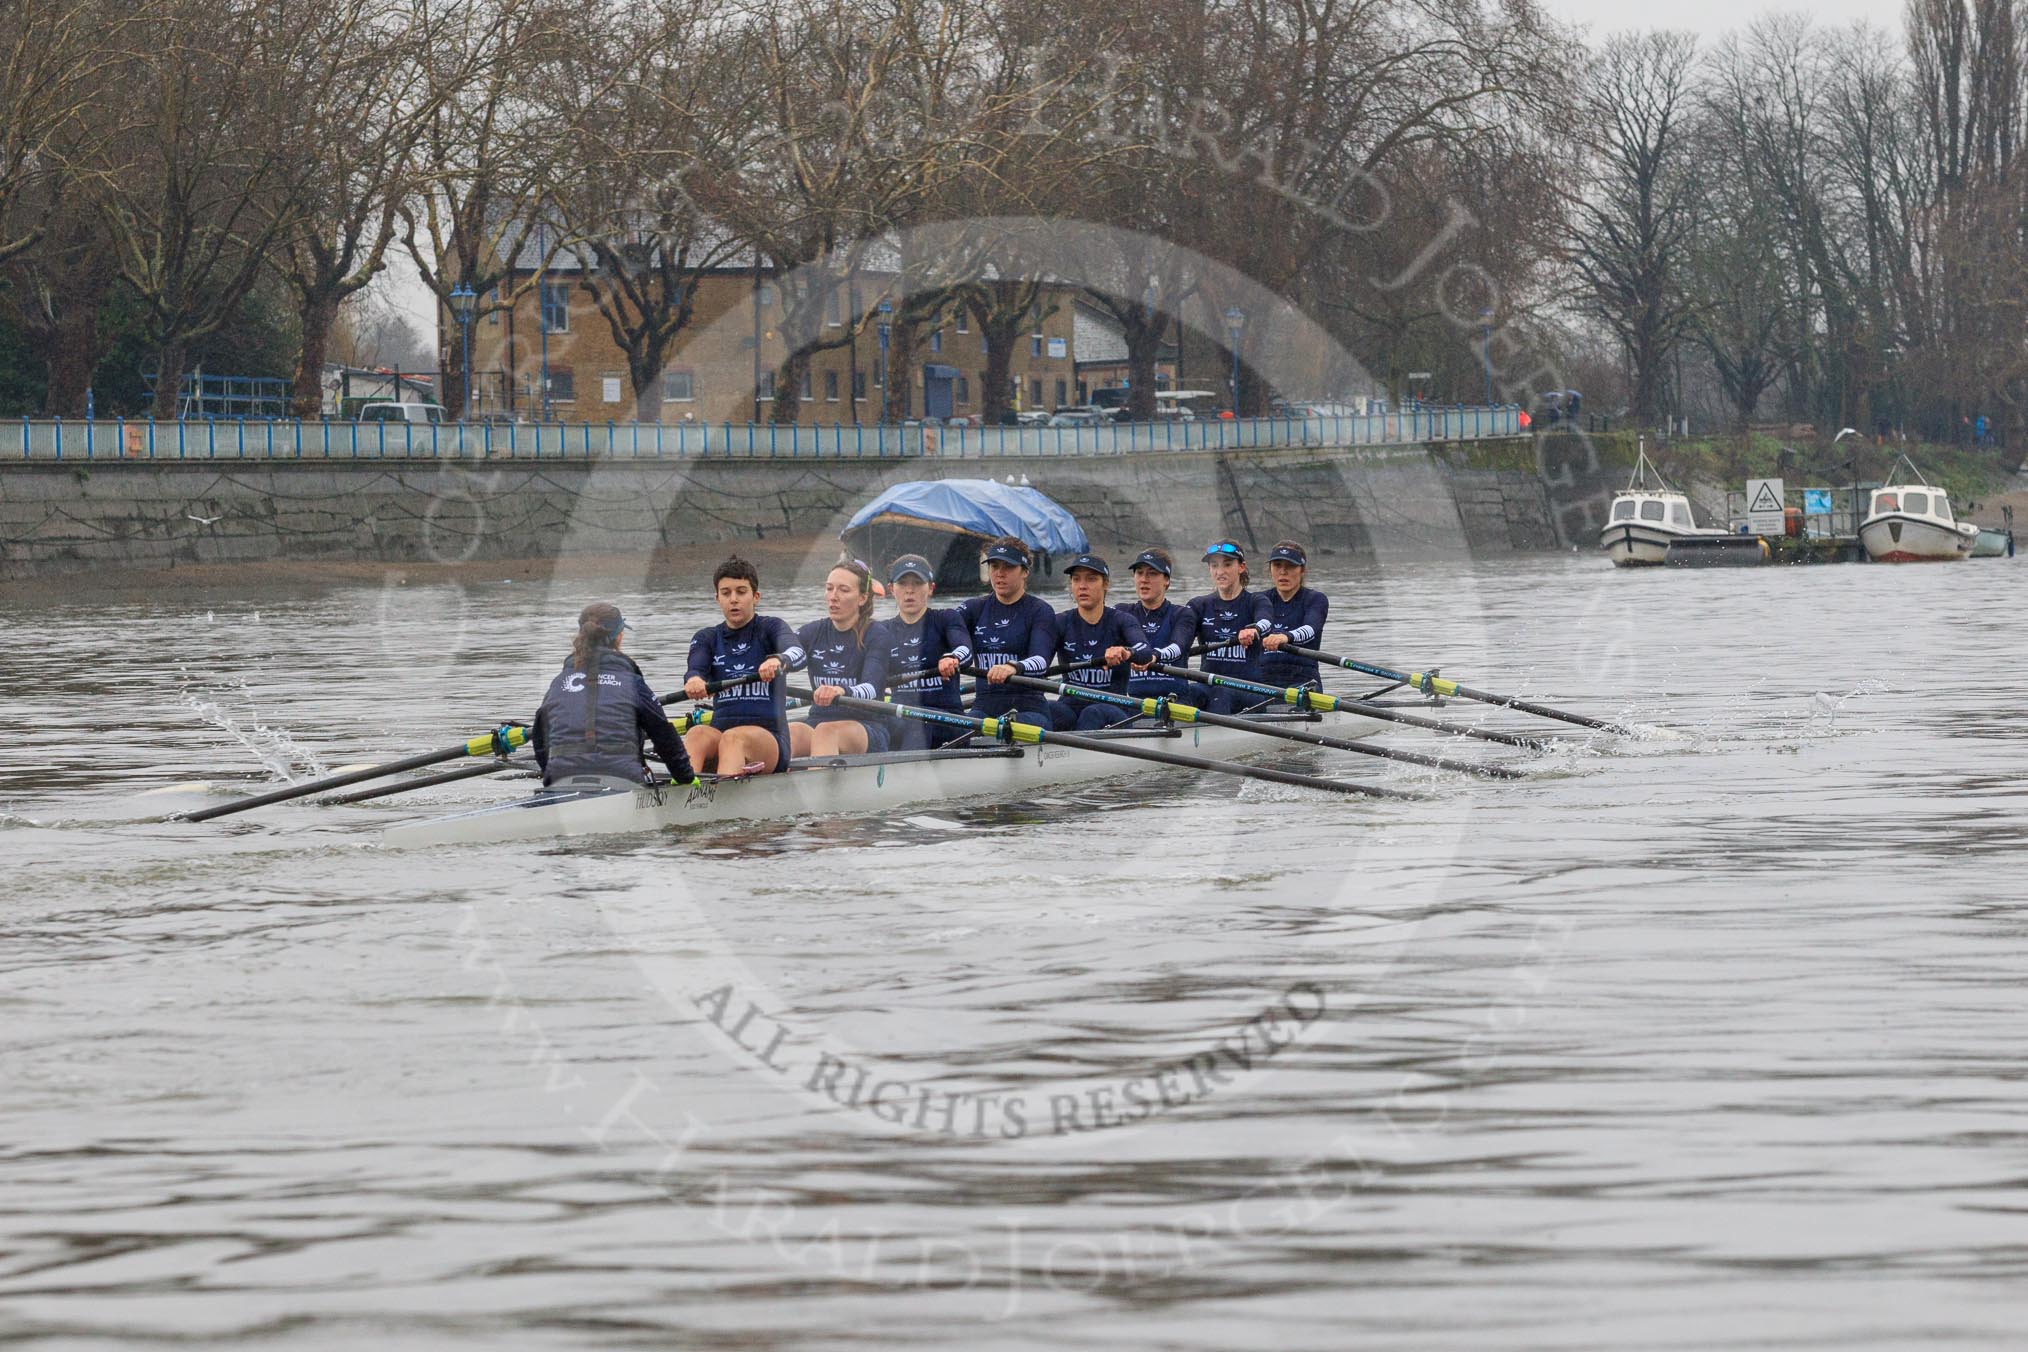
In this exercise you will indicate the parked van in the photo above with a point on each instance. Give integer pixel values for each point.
(389, 411)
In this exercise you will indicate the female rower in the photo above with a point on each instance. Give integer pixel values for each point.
(918, 638)
(1095, 643)
(1171, 629)
(1012, 633)
(599, 709)
(1295, 616)
(837, 653)
(1230, 620)
(749, 729)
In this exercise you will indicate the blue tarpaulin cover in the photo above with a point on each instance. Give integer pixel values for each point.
(984, 507)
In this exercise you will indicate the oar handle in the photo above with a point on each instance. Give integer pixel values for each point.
(710, 688)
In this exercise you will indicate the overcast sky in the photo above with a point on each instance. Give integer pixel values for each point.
(1712, 17)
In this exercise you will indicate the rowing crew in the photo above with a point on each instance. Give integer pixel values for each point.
(596, 727)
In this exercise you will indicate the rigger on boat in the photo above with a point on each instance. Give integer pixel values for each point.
(885, 722)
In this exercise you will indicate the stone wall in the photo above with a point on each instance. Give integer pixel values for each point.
(70, 518)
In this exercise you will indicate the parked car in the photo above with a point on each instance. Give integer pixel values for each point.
(389, 411)
(1077, 417)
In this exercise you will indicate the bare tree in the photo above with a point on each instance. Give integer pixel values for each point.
(1639, 208)
(194, 175)
(55, 58)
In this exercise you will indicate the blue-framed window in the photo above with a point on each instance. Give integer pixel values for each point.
(556, 307)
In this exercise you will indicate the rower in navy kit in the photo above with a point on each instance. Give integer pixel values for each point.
(836, 654)
(1012, 633)
(599, 709)
(749, 720)
(1296, 615)
(1096, 642)
(1171, 629)
(1230, 621)
(918, 638)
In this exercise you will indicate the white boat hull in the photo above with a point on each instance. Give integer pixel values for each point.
(846, 786)
(1896, 537)
(1631, 544)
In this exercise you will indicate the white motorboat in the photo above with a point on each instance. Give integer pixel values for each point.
(847, 785)
(1912, 523)
(1647, 517)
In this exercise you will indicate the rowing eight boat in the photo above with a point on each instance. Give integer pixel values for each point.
(844, 785)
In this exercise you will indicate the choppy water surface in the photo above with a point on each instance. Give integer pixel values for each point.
(1677, 1043)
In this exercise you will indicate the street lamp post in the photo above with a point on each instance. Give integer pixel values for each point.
(463, 302)
(886, 308)
(1486, 351)
(1235, 322)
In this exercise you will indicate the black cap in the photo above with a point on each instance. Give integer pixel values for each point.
(1150, 559)
(911, 563)
(1007, 554)
(1289, 554)
(1088, 561)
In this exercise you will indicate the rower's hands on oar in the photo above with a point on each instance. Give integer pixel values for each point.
(695, 688)
(948, 668)
(1248, 636)
(998, 675)
(1115, 656)
(824, 694)
(1273, 641)
(770, 669)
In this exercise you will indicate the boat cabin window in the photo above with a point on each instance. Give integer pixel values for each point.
(1885, 502)
(1917, 503)
(1943, 507)
(1679, 514)
(1651, 510)
(1623, 510)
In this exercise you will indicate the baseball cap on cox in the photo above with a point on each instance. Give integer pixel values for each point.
(911, 565)
(1089, 562)
(1289, 553)
(1008, 554)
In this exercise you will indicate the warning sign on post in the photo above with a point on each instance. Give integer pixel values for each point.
(1764, 506)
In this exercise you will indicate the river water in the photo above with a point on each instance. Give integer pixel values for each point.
(1693, 1041)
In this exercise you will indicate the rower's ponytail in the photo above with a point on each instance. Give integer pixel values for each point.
(864, 577)
(598, 628)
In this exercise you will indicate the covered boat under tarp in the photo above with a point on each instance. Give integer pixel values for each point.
(950, 521)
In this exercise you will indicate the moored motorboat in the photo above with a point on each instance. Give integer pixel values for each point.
(1911, 522)
(845, 785)
(1993, 543)
(1647, 517)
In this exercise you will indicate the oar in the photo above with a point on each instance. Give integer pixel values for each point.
(1188, 713)
(1030, 734)
(499, 742)
(424, 782)
(1431, 683)
(1317, 699)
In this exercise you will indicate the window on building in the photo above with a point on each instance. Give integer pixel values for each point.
(1035, 346)
(834, 310)
(562, 385)
(1035, 391)
(858, 384)
(1061, 391)
(806, 382)
(556, 307)
(767, 385)
(963, 391)
(766, 294)
(937, 341)
(679, 386)
(831, 386)
(964, 321)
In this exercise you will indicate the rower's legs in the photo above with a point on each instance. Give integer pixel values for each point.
(742, 747)
(843, 738)
(1096, 716)
(802, 739)
(702, 746)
